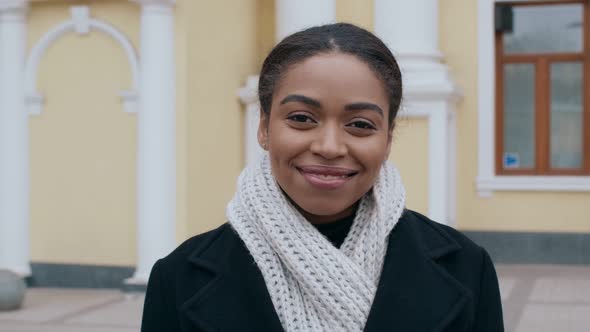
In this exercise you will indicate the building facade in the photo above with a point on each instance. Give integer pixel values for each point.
(124, 124)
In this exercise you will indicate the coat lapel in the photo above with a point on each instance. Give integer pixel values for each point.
(234, 296)
(415, 293)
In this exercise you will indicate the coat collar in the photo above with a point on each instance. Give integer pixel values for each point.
(414, 292)
(234, 295)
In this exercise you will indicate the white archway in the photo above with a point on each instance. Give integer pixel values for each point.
(153, 80)
(80, 23)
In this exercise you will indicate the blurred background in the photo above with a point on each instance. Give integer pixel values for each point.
(124, 126)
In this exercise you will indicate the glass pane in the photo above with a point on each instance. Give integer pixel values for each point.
(545, 29)
(519, 116)
(566, 115)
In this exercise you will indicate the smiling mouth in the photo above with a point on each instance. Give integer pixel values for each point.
(325, 177)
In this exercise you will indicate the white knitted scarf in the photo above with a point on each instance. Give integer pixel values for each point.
(313, 285)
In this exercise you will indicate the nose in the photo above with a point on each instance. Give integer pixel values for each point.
(329, 142)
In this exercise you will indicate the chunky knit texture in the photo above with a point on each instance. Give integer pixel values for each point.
(313, 285)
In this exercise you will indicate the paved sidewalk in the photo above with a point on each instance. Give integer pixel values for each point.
(545, 298)
(75, 310)
(539, 298)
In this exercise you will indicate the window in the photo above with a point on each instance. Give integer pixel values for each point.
(542, 88)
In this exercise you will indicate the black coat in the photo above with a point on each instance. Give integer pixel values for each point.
(433, 279)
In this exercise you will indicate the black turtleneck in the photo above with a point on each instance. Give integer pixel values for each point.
(336, 231)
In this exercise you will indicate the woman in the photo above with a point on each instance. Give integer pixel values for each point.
(318, 237)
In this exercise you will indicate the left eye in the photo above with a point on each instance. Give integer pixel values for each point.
(362, 125)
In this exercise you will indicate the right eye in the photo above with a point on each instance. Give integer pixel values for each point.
(302, 118)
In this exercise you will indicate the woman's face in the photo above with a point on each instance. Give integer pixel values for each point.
(327, 134)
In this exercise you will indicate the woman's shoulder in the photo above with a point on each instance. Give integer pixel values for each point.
(449, 247)
(199, 244)
(433, 232)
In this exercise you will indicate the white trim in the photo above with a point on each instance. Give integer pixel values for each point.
(452, 164)
(486, 89)
(16, 6)
(163, 3)
(536, 183)
(80, 23)
(487, 181)
(249, 97)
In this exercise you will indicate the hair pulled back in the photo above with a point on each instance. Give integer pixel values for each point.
(339, 37)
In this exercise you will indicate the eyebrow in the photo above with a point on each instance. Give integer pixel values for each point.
(315, 103)
(363, 106)
(302, 99)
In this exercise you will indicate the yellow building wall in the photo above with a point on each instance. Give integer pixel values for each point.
(409, 153)
(265, 30)
(359, 12)
(181, 20)
(83, 144)
(504, 211)
(222, 51)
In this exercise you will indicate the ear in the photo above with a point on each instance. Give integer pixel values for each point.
(263, 131)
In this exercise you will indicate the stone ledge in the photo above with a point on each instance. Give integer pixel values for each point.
(81, 276)
(534, 248)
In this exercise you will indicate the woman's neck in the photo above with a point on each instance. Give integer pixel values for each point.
(318, 219)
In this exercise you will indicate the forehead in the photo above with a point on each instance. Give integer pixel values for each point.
(333, 78)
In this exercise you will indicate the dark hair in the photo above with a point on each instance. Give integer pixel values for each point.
(339, 37)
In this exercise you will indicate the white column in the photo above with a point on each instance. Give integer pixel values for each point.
(438, 159)
(410, 29)
(14, 141)
(249, 97)
(294, 15)
(156, 159)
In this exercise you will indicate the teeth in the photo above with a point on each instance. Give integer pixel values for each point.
(330, 177)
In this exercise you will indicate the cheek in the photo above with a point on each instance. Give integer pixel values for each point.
(371, 156)
(286, 143)
(283, 149)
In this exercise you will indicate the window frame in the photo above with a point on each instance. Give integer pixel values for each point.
(487, 180)
(542, 103)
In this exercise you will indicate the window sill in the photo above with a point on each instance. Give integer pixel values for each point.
(486, 185)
